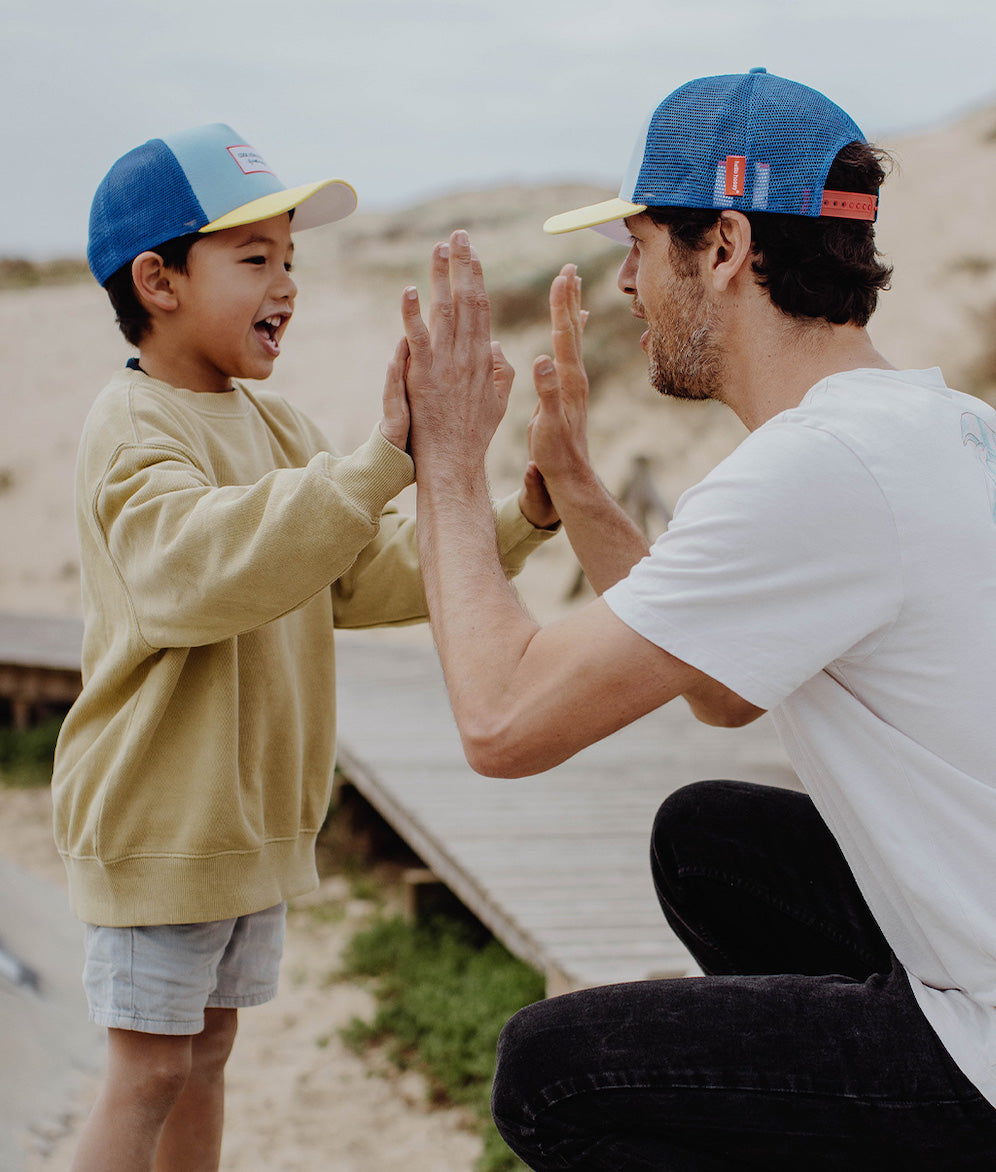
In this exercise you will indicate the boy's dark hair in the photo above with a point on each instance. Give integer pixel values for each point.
(132, 316)
(815, 267)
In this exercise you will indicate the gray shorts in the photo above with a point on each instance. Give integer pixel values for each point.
(160, 979)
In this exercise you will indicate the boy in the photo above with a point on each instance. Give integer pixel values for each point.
(221, 543)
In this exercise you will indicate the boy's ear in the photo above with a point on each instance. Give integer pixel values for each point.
(155, 285)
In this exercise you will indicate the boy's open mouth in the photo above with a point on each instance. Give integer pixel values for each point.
(268, 330)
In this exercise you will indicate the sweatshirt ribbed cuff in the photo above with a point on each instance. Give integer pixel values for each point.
(374, 474)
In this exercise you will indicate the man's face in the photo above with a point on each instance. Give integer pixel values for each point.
(681, 339)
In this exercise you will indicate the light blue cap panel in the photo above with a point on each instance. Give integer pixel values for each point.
(223, 171)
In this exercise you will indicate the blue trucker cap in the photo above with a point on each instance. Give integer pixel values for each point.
(749, 141)
(199, 180)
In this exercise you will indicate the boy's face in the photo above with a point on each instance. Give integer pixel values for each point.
(236, 299)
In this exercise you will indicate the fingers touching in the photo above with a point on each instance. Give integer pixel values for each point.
(395, 421)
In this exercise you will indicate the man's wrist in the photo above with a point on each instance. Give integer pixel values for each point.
(580, 481)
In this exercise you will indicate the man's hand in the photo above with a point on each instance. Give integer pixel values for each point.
(396, 420)
(605, 540)
(455, 397)
(558, 430)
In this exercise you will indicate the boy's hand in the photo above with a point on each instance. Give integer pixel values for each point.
(396, 421)
(534, 500)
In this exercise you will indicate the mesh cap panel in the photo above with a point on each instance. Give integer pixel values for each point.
(121, 226)
(786, 134)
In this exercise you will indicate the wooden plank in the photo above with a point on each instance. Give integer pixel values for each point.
(39, 664)
(41, 641)
(556, 865)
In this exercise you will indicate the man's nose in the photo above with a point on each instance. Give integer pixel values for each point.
(626, 280)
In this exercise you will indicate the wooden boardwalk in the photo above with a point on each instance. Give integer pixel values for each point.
(555, 865)
(39, 663)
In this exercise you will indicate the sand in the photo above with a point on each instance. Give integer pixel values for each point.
(297, 1098)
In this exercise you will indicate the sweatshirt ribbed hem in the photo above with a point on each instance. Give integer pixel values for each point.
(147, 889)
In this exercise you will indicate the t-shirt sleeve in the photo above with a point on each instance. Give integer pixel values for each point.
(780, 562)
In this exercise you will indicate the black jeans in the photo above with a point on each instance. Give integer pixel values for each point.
(801, 1049)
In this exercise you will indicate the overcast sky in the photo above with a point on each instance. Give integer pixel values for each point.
(412, 98)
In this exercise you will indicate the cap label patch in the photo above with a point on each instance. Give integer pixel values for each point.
(736, 170)
(250, 161)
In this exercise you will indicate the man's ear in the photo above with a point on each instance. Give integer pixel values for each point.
(730, 249)
(155, 285)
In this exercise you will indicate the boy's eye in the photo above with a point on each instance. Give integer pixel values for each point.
(255, 260)
(288, 267)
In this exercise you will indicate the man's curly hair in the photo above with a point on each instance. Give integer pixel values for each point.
(812, 267)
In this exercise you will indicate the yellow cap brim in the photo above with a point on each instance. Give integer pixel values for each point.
(592, 216)
(317, 204)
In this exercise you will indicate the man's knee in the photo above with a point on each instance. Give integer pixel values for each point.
(529, 1065)
(701, 818)
(700, 801)
(681, 821)
(514, 1062)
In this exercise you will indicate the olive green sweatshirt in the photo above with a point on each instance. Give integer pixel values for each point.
(221, 544)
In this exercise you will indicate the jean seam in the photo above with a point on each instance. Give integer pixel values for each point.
(557, 1093)
(829, 930)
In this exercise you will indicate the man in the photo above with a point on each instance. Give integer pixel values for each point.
(839, 570)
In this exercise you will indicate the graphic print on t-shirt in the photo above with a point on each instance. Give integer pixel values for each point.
(977, 432)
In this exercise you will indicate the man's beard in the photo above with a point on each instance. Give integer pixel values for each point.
(685, 358)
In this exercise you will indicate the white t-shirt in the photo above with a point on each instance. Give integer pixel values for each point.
(839, 569)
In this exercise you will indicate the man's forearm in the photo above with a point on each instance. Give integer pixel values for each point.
(480, 627)
(605, 540)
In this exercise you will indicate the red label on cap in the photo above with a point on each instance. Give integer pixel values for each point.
(736, 169)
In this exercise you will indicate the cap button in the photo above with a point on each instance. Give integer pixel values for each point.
(757, 69)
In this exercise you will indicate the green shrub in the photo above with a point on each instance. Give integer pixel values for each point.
(444, 990)
(26, 754)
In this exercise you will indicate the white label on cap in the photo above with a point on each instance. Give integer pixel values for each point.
(762, 182)
(249, 161)
(719, 197)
